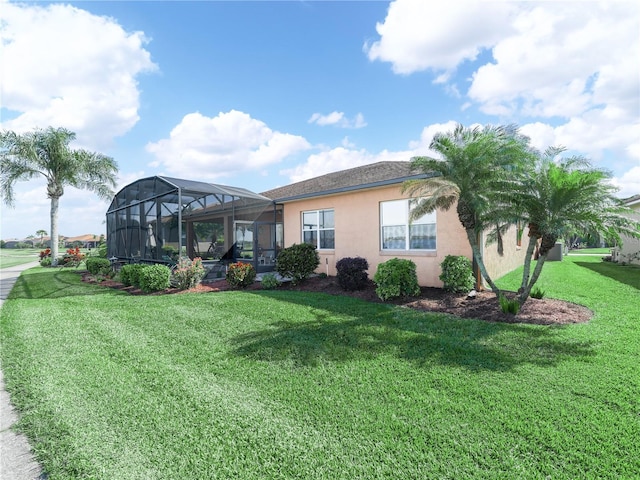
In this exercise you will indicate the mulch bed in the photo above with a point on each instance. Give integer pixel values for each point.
(546, 311)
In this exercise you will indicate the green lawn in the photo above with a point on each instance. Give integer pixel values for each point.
(10, 257)
(279, 384)
(598, 251)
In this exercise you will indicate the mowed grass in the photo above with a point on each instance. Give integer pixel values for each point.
(278, 384)
(10, 257)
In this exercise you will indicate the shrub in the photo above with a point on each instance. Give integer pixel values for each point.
(101, 250)
(45, 262)
(297, 262)
(72, 258)
(269, 281)
(98, 266)
(154, 278)
(509, 306)
(241, 275)
(352, 273)
(537, 292)
(130, 274)
(45, 253)
(457, 274)
(396, 278)
(188, 273)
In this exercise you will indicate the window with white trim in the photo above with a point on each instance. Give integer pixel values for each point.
(398, 233)
(318, 228)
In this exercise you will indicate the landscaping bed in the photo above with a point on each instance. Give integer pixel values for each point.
(485, 306)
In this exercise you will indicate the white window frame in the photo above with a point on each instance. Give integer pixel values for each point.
(318, 227)
(403, 241)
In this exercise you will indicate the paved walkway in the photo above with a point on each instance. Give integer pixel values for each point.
(16, 460)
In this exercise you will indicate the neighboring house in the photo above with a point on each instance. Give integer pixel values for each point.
(629, 251)
(356, 212)
(363, 212)
(85, 241)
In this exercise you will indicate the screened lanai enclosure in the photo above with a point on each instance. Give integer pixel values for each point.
(158, 219)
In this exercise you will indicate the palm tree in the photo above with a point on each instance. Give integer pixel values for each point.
(41, 233)
(557, 198)
(475, 163)
(47, 153)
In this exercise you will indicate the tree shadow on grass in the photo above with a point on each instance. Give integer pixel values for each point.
(352, 329)
(53, 283)
(627, 274)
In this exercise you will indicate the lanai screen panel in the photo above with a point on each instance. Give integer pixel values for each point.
(147, 220)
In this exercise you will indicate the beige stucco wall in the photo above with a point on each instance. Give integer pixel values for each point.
(629, 251)
(513, 257)
(357, 232)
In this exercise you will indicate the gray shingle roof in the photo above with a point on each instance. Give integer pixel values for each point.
(358, 178)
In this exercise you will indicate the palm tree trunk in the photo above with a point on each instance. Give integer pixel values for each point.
(477, 255)
(534, 278)
(527, 263)
(54, 230)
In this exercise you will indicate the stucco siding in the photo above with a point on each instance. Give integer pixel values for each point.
(357, 232)
(629, 251)
(513, 257)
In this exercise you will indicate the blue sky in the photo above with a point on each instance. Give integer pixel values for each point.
(262, 94)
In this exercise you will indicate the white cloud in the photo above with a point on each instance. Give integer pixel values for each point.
(628, 183)
(232, 142)
(338, 119)
(418, 35)
(70, 68)
(566, 71)
(563, 59)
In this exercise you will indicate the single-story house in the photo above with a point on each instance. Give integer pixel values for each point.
(356, 212)
(629, 251)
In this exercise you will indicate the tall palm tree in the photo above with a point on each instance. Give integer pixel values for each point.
(46, 153)
(475, 163)
(41, 233)
(557, 198)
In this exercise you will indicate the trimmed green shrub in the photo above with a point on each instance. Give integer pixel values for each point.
(154, 278)
(130, 274)
(188, 273)
(241, 275)
(98, 265)
(457, 274)
(352, 273)
(269, 281)
(297, 262)
(45, 262)
(396, 278)
(509, 306)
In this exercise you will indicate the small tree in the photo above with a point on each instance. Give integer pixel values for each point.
(557, 198)
(47, 154)
(475, 164)
(41, 233)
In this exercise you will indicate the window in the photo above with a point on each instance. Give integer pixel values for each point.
(397, 233)
(318, 228)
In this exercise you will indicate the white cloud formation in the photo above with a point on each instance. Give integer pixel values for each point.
(564, 59)
(418, 35)
(232, 142)
(628, 183)
(570, 68)
(338, 119)
(66, 67)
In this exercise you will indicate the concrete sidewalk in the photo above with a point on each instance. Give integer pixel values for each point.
(16, 459)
